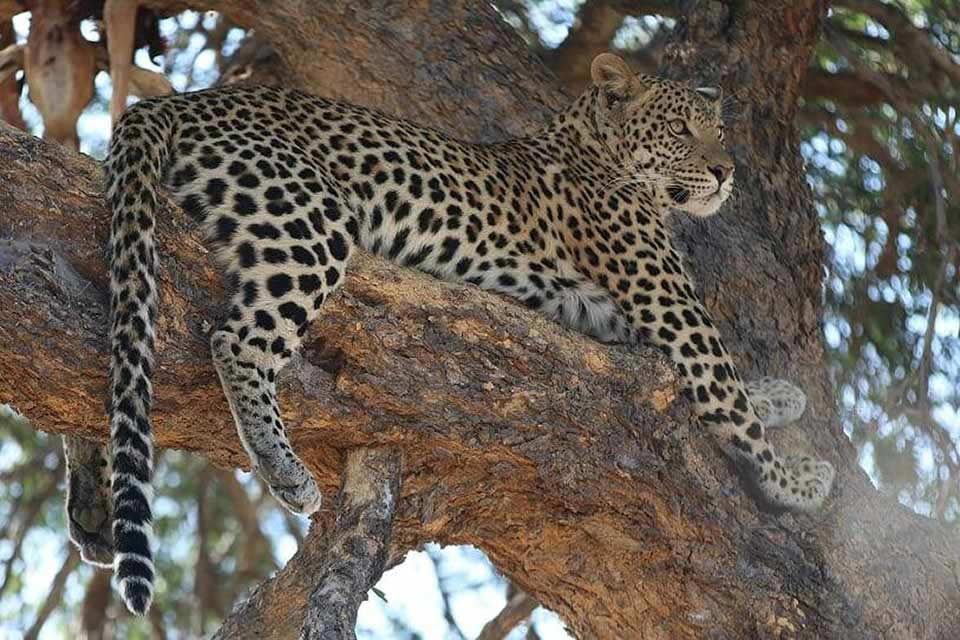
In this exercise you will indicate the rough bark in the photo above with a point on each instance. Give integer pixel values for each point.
(569, 463)
(358, 545)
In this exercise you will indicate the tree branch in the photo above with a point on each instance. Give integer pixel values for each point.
(447, 610)
(9, 87)
(254, 546)
(55, 595)
(597, 22)
(909, 39)
(359, 543)
(33, 507)
(93, 611)
(842, 87)
(205, 576)
(518, 608)
(275, 609)
(669, 8)
(471, 391)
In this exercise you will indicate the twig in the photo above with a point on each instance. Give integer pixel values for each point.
(357, 551)
(940, 208)
(205, 576)
(35, 506)
(517, 609)
(93, 614)
(926, 358)
(52, 601)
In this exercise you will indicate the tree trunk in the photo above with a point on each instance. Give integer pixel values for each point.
(570, 463)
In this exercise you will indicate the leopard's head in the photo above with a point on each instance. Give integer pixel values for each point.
(663, 134)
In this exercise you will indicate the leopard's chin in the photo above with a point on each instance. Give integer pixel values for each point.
(707, 206)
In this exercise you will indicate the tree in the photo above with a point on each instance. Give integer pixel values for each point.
(571, 463)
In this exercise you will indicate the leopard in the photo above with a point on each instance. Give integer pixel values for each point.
(570, 221)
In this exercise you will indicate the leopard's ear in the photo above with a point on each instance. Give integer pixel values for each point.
(614, 77)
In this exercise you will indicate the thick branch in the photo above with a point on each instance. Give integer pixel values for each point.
(358, 546)
(498, 412)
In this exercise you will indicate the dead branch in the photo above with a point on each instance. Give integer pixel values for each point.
(359, 542)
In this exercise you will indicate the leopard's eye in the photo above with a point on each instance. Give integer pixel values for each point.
(720, 133)
(678, 127)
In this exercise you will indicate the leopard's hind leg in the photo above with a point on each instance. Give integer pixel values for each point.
(249, 383)
(284, 280)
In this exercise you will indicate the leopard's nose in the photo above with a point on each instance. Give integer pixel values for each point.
(721, 172)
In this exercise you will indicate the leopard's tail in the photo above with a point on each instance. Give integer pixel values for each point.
(138, 154)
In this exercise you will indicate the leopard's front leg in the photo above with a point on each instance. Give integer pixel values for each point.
(659, 301)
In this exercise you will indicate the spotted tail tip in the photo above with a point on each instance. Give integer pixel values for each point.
(135, 578)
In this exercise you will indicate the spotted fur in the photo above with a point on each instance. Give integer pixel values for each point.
(570, 221)
(777, 402)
